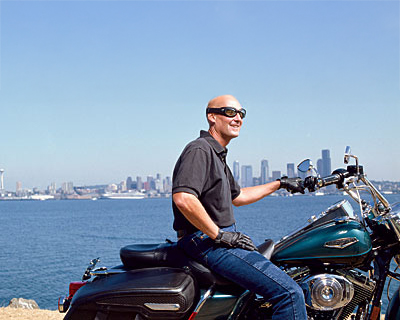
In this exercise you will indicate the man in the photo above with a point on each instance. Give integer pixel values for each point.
(203, 193)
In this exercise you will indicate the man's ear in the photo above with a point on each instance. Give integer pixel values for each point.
(211, 118)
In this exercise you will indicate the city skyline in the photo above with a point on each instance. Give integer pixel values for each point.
(92, 91)
(244, 174)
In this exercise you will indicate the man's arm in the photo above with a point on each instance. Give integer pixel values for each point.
(253, 194)
(195, 213)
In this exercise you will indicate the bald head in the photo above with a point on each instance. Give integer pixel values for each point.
(222, 126)
(223, 101)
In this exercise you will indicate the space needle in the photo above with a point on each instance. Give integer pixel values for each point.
(1, 179)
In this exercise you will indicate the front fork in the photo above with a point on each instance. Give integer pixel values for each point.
(381, 270)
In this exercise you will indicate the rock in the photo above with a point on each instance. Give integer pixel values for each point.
(22, 303)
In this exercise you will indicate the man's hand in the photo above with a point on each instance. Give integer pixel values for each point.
(235, 240)
(292, 185)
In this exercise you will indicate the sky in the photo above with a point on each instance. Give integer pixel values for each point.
(95, 91)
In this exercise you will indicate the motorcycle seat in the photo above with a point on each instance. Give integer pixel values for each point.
(167, 254)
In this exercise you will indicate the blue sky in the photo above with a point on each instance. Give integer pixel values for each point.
(95, 91)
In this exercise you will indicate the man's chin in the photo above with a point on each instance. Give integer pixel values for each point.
(235, 134)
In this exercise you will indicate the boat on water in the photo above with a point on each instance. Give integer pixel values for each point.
(130, 195)
(41, 197)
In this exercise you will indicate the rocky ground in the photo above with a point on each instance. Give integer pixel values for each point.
(24, 309)
(9, 313)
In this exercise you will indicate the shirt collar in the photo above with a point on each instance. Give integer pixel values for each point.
(220, 150)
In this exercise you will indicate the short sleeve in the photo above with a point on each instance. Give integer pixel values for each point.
(191, 172)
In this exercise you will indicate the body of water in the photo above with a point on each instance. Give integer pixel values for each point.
(47, 244)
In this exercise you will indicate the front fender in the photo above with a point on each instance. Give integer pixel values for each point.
(393, 310)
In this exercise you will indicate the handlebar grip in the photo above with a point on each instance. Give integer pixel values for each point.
(337, 177)
(327, 181)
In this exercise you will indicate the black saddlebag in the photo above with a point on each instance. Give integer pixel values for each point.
(154, 293)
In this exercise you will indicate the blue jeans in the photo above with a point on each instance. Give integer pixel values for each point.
(250, 270)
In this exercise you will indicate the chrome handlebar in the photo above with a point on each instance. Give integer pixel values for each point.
(343, 179)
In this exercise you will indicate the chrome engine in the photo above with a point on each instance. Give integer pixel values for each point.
(334, 296)
(327, 292)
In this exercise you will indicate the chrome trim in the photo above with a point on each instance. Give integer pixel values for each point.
(376, 192)
(341, 243)
(104, 272)
(342, 219)
(208, 294)
(357, 278)
(162, 306)
(63, 304)
(238, 305)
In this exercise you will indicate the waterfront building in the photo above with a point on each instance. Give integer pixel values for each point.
(264, 177)
(236, 170)
(159, 185)
(110, 188)
(326, 162)
(122, 186)
(151, 182)
(129, 183)
(139, 183)
(327, 168)
(276, 175)
(247, 176)
(52, 189)
(18, 189)
(320, 167)
(290, 170)
(167, 184)
(256, 181)
(67, 188)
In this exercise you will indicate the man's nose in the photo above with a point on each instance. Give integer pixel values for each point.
(237, 117)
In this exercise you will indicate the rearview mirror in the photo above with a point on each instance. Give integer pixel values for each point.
(347, 154)
(305, 165)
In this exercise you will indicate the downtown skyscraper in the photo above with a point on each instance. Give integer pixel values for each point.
(264, 177)
(290, 170)
(324, 165)
(236, 171)
(247, 176)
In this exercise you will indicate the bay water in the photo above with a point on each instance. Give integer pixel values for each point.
(47, 244)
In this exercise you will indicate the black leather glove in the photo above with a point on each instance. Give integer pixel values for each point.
(311, 183)
(235, 240)
(292, 185)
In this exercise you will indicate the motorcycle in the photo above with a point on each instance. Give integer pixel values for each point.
(339, 258)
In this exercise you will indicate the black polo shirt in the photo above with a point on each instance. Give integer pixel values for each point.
(202, 171)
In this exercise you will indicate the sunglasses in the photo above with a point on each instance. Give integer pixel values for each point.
(228, 111)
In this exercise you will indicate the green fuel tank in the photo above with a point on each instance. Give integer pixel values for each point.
(335, 237)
